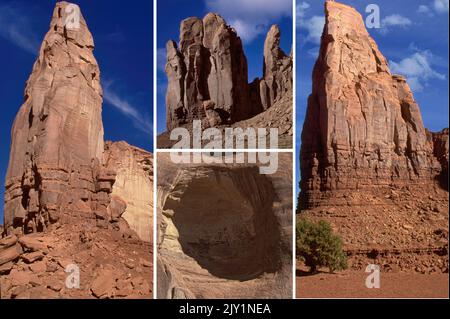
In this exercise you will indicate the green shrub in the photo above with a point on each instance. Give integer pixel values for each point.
(317, 246)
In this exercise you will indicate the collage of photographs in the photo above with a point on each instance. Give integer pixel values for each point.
(224, 149)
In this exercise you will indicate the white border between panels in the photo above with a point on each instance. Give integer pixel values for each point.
(155, 153)
(294, 143)
(291, 150)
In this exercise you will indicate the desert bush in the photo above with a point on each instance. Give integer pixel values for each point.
(317, 246)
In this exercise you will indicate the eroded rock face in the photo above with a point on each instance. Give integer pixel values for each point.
(440, 149)
(363, 128)
(210, 68)
(368, 165)
(224, 230)
(277, 75)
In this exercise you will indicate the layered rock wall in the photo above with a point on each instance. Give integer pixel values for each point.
(58, 167)
(57, 136)
(207, 75)
(133, 185)
(277, 71)
(224, 230)
(363, 128)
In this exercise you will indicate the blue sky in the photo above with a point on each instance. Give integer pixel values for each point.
(414, 39)
(123, 49)
(251, 18)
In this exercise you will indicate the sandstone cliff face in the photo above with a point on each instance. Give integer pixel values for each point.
(224, 230)
(277, 75)
(57, 136)
(368, 165)
(207, 75)
(133, 185)
(363, 128)
(71, 200)
(441, 152)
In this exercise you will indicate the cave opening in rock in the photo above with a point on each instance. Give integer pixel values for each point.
(225, 221)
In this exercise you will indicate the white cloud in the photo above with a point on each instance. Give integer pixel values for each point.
(247, 30)
(437, 6)
(424, 9)
(16, 28)
(301, 9)
(314, 52)
(314, 27)
(418, 69)
(251, 18)
(441, 6)
(394, 20)
(139, 121)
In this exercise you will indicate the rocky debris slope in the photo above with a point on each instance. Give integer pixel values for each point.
(60, 179)
(207, 77)
(279, 115)
(110, 264)
(397, 229)
(365, 152)
(224, 230)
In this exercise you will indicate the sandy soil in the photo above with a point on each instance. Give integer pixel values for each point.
(351, 284)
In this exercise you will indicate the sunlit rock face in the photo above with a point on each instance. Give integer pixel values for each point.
(363, 128)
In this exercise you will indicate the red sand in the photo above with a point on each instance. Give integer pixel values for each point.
(351, 284)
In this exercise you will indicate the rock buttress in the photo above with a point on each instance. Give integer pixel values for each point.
(208, 75)
(57, 136)
(133, 186)
(363, 128)
(277, 70)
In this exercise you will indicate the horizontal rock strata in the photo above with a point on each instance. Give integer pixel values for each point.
(368, 165)
(363, 128)
(224, 230)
